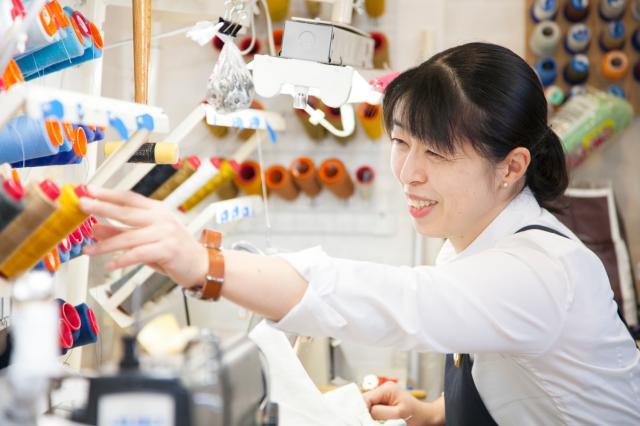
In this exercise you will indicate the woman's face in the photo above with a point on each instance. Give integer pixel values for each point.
(449, 196)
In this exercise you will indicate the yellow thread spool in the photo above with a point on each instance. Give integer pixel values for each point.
(225, 173)
(374, 8)
(370, 117)
(188, 168)
(61, 223)
(249, 178)
(278, 9)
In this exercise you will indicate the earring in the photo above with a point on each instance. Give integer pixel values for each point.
(505, 184)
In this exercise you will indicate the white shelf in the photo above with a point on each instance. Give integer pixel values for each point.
(246, 119)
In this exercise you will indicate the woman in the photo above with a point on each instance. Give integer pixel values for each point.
(512, 286)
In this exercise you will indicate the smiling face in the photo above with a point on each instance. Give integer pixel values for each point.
(451, 196)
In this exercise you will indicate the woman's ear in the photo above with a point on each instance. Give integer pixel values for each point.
(514, 166)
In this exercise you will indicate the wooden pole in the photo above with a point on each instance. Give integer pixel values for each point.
(141, 48)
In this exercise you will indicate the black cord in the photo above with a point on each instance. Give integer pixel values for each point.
(186, 309)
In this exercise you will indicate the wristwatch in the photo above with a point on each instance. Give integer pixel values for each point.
(214, 279)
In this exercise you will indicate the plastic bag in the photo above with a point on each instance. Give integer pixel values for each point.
(230, 87)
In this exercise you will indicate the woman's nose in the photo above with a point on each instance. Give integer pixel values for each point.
(413, 170)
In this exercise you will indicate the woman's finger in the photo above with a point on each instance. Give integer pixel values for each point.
(123, 198)
(385, 412)
(124, 240)
(385, 394)
(102, 231)
(127, 215)
(149, 253)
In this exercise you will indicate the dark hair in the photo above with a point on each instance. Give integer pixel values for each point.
(485, 94)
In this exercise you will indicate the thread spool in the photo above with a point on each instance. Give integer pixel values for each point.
(73, 156)
(76, 239)
(277, 34)
(334, 116)
(228, 190)
(612, 36)
(56, 11)
(547, 70)
(380, 50)
(636, 71)
(577, 70)
(245, 134)
(80, 25)
(156, 286)
(278, 9)
(42, 31)
(227, 171)
(187, 168)
(24, 138)
(615, 65)
(65, 337)
(576, 10)
(554, 95)
(279, 182)
(157, 153)
(156, 177)
(635, 10)
(206, 171)
(68, 47)
(315, 132)
(245, 42)
(68, 314)
(305, 177)
(545, 38)
(11, 201)
(370, 117)
(635, 39)
(58, 225)
(89, 328)
(11, 75)
(616, 90)
(578, 39)
(39, 205)
(314, 8)
(365, 176)
(64, 250)
(612, 9)
(52, 260)
(248, 178)
(334, 177)
(374, 8)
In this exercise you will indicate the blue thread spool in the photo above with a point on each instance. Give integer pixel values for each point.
(543, 10)
(98, 134)
(612, 37)
(64, 256)
(59, 159)
(578, 39)
(611, 10)
(577, 70)
(547, 70)
(576, 10)
(89, 328)
(616, 90)
(37, 138)
(67, 48)
(635, 40)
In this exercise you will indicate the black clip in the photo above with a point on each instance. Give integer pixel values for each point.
(229, 28)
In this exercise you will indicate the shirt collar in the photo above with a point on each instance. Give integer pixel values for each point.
(523, 210)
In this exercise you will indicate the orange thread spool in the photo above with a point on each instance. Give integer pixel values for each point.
(335, 178)
(304, 175)
(615, 65)
(279, 181)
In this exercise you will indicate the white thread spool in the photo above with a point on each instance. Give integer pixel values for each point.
(37, 35)
(365, 177)
(196, 181)
(578, 38)
(612, 9)
(544, 9)
(545, 37)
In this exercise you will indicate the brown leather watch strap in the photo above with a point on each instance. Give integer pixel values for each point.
(212, 286)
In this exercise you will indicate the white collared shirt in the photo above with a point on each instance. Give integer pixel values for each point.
(535, 309)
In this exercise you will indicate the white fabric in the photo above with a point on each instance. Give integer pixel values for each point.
(536, 310)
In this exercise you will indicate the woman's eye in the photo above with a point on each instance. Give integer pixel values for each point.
(398, 141)
(434, 154)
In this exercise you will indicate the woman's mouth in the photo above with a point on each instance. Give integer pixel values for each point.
(420, 208)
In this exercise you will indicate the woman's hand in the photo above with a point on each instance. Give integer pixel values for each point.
(389, 401)
(152, 235)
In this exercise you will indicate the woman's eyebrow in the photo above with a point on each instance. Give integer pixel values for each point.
(398, 124)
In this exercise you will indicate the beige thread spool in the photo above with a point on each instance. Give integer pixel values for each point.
(304, 175)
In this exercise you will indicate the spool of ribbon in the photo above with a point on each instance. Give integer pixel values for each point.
(334, 176)
(157, 153)
(187, 168)
(576, 10)
(155, 178)
(578, 39)
(278, 9)
(370, 117)
(374, 8)
(280, 182)
(547, 70)
(615, 65)
(315, 132)
(545, 38)
(612, 9)
(11, 201)
(304, 175)
(612, 36)
(577, 70)
(39, 206)
(248, 178)
(245, 134)
(380, 50)
(365, 177)
(24, 138)
(63, 221)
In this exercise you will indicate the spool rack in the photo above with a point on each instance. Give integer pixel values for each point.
(595, 54)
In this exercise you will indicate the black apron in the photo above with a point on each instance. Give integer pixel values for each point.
(462, 402)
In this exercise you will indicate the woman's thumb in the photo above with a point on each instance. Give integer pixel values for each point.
(385, 412)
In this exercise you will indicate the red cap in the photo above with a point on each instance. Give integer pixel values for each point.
(86, 230)
(64, 245)
(195, 161)
(76, 237)
(50, 189)
(69, 315)
(235, 165)
(216, 162)
(82, 191)
(92, 220)
(93, 322)
(177, 165)
(65, 338)
(13, 188)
